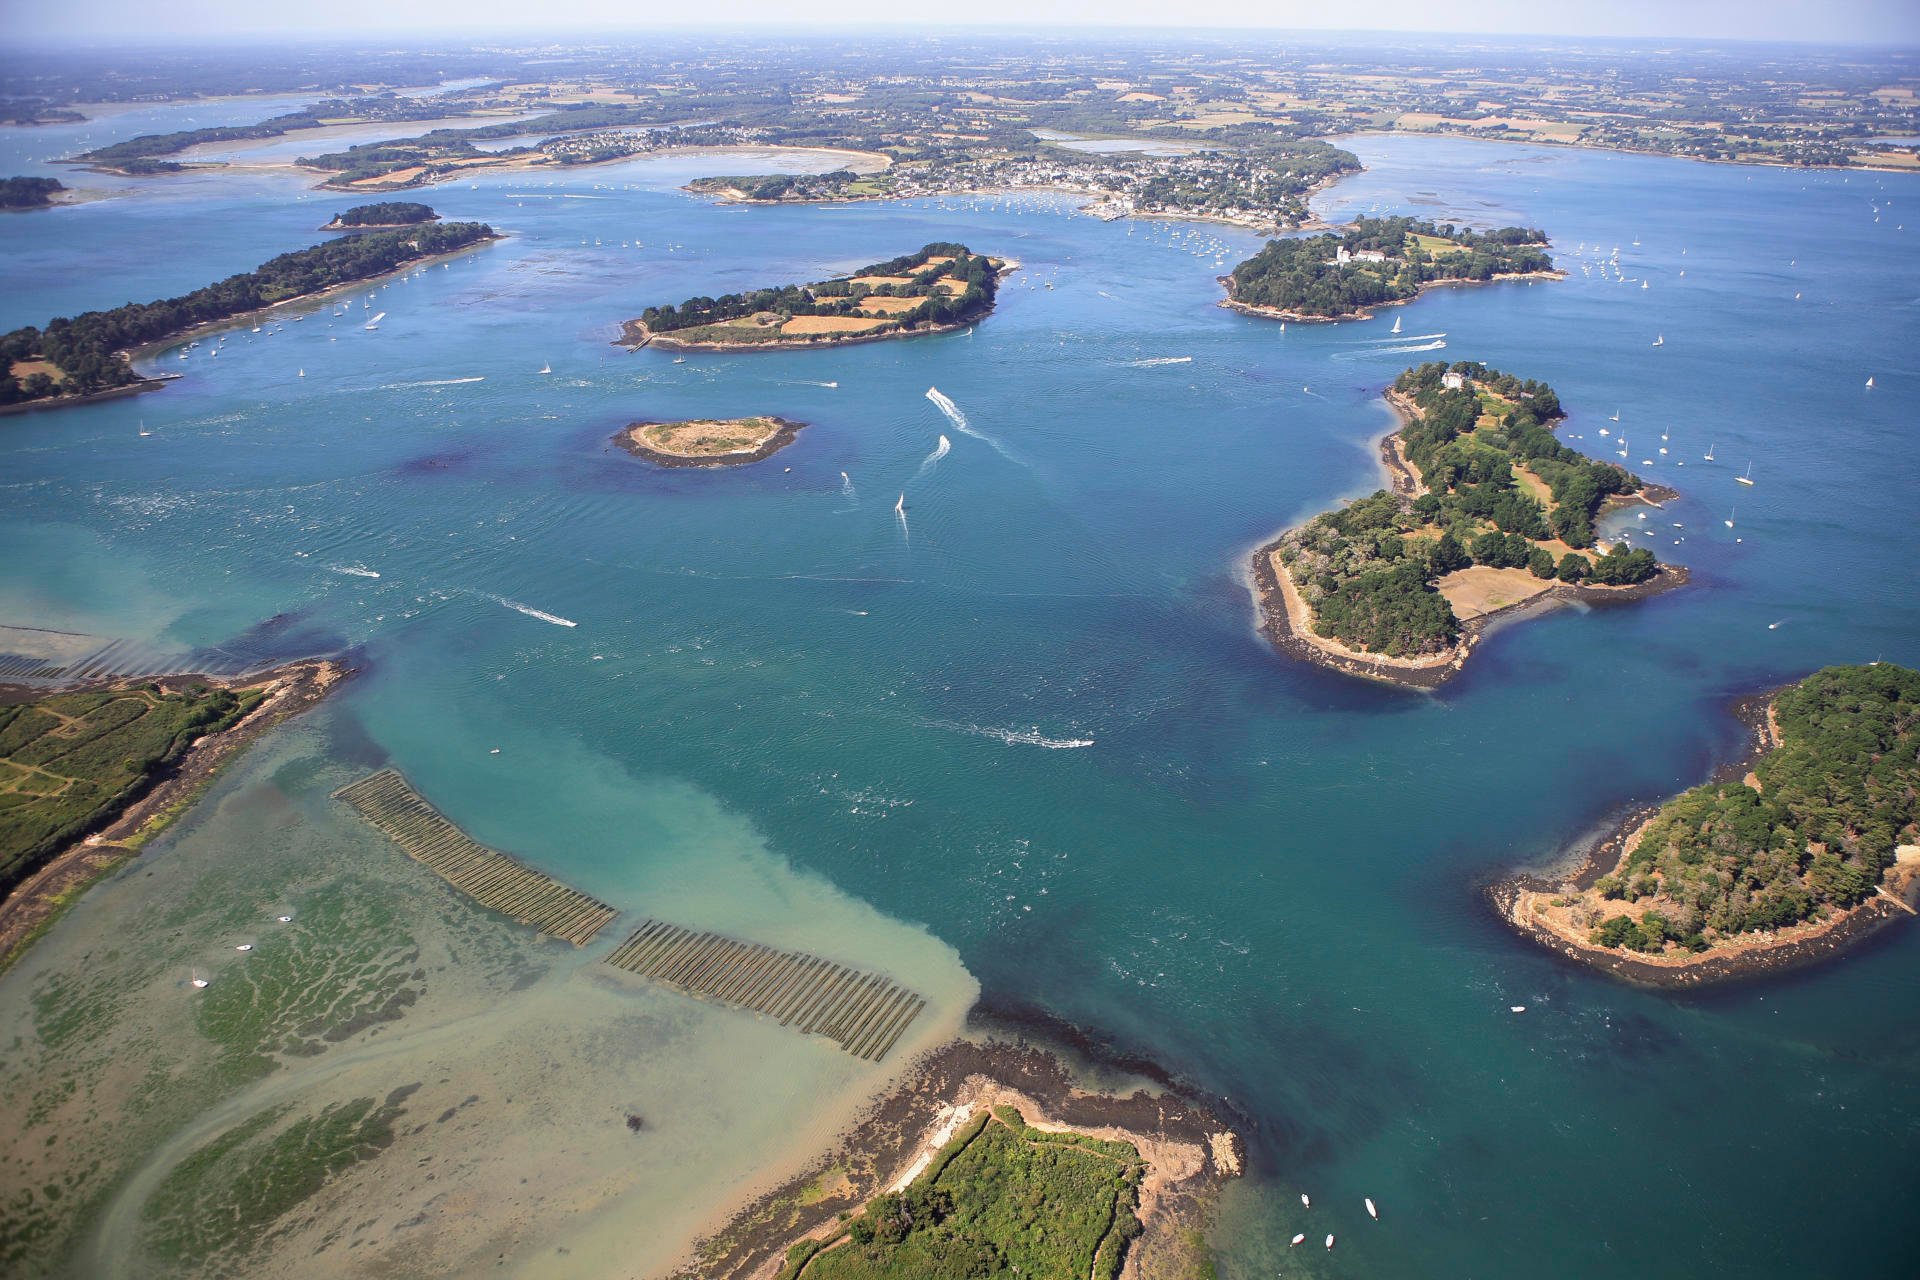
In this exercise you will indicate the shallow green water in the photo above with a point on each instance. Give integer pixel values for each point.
(1032, 723)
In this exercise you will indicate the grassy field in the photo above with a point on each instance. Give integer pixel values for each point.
(1001, 1200)
(70, 760)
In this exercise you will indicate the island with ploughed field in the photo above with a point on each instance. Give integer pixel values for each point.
(939, 288)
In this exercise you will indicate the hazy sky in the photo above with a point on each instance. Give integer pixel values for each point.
(1824, 21)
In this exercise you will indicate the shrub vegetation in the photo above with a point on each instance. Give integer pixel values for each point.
(1834, 800)
(1368, 570)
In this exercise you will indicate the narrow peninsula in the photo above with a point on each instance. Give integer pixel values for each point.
(1780, 860)
(1489, 514)
(708, 442)
(940, 288)
(90, 356)
(1377, 262)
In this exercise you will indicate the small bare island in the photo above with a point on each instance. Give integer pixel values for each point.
(1377, 262)
(1489, 515)
(1781, 859)
(940, 288)
(708, 442)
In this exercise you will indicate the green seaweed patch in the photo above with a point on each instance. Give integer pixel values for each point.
(346, 963)
(220, 1204)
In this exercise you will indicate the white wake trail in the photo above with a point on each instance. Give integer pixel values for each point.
(960, 424)
(530, 611)
(939, 452)
(1155, 361)
(1014, 737)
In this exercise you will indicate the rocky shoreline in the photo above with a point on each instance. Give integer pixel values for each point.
(1516, 897)
(1191, 1150)
(1294, 636)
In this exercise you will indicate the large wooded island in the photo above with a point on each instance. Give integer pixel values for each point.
(1489, 513)
(1377, 262)
(1781, 859)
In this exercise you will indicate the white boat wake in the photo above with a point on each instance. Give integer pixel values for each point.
(1397, 338)
(1014, 737)
(846, 487)
(960, 424)
(530, 611)
(1368, 353)
(939, 452)
(358, 571)
(1155, 361)
(437, 382)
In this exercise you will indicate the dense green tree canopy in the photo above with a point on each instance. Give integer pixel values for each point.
(1300, 275)
(88, 349)
(1833, 801)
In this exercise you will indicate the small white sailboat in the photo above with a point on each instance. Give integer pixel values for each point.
(1869, 384)
(1730, 515)
(283, 919)
(1396, 324)
(199, 982)
(1371, 1211)
(244, 946)
(1710, 449)
(1297, 1240)
(900, 505)
(546, 368)
(1660, 340)
(303, 373)
(1305, 1200)
(1615, 417)
(1329, 1240)
(1605, 432)
(143, 428)
(1516, 1008)
(1746, 479)
(375, 322)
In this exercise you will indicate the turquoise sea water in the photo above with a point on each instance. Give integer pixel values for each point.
(1034, 718)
